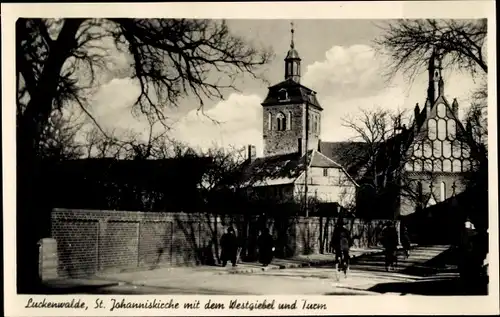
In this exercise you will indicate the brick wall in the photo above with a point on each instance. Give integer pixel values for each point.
(92, 241)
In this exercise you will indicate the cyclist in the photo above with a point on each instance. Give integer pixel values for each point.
(341, 243)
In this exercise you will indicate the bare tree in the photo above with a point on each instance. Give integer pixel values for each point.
(58, 62)
(59, 137)
(383, 178)
(61, 62)
(409, 43)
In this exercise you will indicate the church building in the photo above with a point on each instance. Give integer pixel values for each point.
(425, 163)
(292, 168)
(439, 152)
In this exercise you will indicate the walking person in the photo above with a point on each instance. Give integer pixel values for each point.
(405, 241)
(390, 244)
(265, 243)
(229, 246)
(341, 241)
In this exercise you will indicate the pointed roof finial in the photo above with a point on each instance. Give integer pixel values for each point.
(292, 44)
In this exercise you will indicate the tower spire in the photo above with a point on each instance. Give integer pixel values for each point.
(436, 82)
(292, 59)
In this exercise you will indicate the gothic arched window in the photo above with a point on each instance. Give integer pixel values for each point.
(441, 129)
(428, 165)
(289, 120)
(436, 148)
(441, 110)
(417, 149)
(446, 165)
(452, 129)
(457, 151)
(409, 166)
(418, 165)
(466, 165)
(427, 149)
(457, 166)
(281, 120)
(447, 149)
(443, 191)
(432, 129)
(437, 167)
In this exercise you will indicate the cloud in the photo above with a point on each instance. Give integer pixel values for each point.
(346, 72)
(239, 123)
(347, 80)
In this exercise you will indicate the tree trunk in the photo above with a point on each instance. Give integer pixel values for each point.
(33, 210)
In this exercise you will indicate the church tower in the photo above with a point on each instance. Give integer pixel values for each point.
(292, 113)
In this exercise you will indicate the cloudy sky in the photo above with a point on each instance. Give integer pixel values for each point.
(338, 62)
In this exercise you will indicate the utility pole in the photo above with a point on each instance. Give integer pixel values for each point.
(306, 159)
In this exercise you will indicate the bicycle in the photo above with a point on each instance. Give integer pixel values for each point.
(342, 262)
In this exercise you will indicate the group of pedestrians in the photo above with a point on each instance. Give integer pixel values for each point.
(342, 242)
(231, 247)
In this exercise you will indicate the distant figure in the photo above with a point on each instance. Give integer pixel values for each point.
(229, 246)
(474, 250)
(405, 241)
(265, 243)
(341, 241)
(390, 244)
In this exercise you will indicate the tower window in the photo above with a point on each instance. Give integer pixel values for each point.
(281, 120)
(282, 94)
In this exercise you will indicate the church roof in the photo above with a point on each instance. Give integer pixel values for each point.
(353, 156)
(296, 94)
(282, 169)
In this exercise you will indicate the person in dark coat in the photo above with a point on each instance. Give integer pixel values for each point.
(405, 241)
(229, 246)
(341, 241)
(265, 243)
(390, 244)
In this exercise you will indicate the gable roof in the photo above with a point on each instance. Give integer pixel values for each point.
(350, 155)
(320, 160)
(296, 92)
(282, 169)
(273, 170)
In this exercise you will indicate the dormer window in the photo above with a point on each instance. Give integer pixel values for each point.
(282, 94)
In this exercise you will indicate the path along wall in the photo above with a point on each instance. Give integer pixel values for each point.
(86, 242)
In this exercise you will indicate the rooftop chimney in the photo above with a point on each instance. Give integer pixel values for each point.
(252, 152)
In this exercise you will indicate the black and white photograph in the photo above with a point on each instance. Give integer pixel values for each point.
(264, 156)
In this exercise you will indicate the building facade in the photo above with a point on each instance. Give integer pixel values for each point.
(293, 168)
(439, 153)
